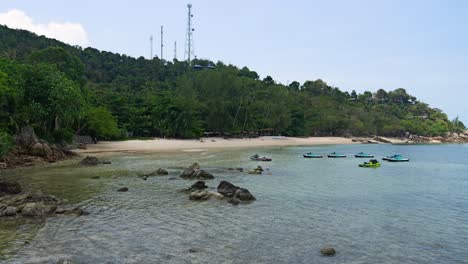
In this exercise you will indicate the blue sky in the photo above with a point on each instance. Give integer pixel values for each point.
(421, 46)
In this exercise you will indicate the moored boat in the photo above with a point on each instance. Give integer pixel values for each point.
(363, 155)
(396, 158)
(336, 155)
(373, 163)
(311, 155)
(256, 157)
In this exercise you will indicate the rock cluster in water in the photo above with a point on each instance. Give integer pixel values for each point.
(195, 172)
(15, 202)
(226, 190)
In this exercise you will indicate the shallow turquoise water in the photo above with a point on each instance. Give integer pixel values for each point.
(414, 212)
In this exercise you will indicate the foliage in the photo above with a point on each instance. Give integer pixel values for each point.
(100, 122)
(59, 88)
(6, 142)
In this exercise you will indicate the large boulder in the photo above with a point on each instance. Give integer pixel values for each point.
(26, 137)
(41, 150)
(89, 161)
(227, 189)
(243, 195)
(230, 190)
(9, 188)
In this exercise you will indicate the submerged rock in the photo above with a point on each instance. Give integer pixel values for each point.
(202, 195)
(158, 172)
(328, 251)
(9, 211)
(9, 188)
(161, 171)
(37, 209)
(257, 170)
(123, 189)
(89, 161)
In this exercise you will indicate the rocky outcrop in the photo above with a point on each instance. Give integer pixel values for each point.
(235, 193)
(29, 149)
(37, 205)
(382, 139)
(195, 172)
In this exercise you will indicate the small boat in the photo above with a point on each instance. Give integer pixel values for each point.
(311, 155)
(373, 163)
(336, 155)
(256, 157)
(363, 155)
(396, 158)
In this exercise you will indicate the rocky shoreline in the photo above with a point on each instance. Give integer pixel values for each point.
(30, 150)
(414, 139)
(14, 202)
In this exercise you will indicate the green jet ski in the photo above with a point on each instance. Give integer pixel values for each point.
(373, 163)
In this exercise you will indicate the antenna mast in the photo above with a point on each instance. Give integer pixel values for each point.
(189, 51)
(151, 47)
(162, 45)
(175, 50)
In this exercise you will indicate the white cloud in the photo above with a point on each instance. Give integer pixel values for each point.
(67, 32)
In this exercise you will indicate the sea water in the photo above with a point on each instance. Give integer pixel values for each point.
(414, 212)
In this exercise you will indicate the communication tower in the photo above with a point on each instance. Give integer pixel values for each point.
(189, 50)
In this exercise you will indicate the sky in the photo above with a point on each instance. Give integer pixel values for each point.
(360, 45)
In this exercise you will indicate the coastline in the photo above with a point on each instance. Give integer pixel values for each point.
(193, 145)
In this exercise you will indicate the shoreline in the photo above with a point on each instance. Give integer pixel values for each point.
(192, 145)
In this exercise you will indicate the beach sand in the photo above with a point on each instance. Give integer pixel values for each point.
(192, 145)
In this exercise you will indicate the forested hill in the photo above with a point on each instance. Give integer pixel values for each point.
(62, 90)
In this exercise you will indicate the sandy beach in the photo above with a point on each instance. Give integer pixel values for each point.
(192, 145)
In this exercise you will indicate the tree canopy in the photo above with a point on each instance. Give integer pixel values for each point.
(55, 87)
